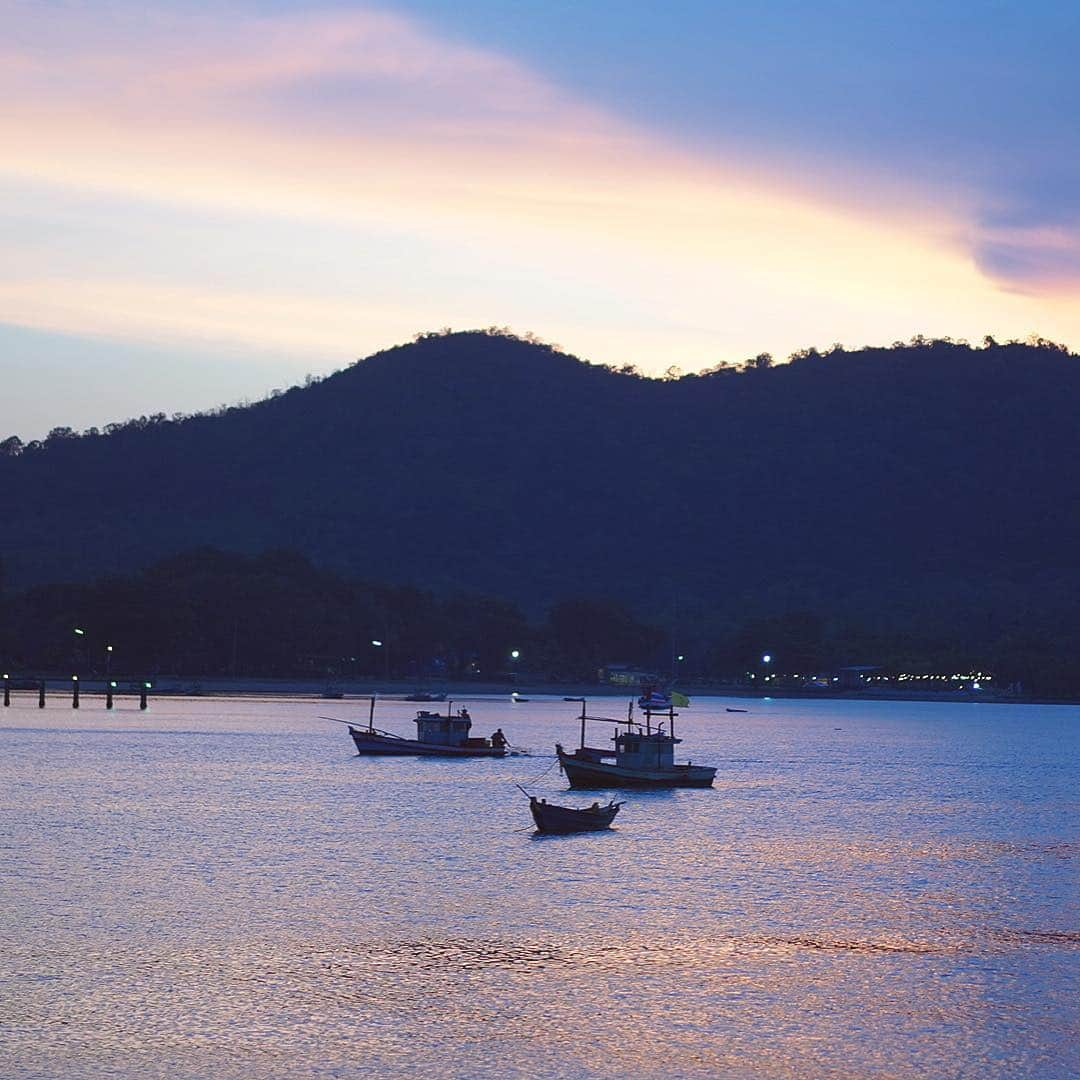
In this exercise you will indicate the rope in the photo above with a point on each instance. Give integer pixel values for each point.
(529, 783)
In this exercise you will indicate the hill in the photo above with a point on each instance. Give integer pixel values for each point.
(924, 477)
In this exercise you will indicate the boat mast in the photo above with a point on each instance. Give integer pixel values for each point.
(371, 715)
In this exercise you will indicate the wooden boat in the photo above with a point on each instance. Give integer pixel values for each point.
(436, 736)
(551, 818)
(643, 756)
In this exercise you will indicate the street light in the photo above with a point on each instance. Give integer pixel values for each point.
(78, 655)
(767, 658)
(515, 654)
(386, 656)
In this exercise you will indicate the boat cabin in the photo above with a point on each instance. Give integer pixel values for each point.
(638, 749)
(444, 729)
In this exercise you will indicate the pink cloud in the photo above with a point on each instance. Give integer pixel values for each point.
(368, 119)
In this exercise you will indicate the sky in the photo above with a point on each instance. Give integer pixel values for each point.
(200, 203)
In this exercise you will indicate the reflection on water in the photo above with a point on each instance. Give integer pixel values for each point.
(220, 888)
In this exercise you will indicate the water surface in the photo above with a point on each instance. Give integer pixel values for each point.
(220, 887)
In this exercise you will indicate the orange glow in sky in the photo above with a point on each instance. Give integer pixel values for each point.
(325, 185)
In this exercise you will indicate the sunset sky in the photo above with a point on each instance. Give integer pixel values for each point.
(201, 202)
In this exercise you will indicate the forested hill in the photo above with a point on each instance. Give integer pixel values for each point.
(484, 462)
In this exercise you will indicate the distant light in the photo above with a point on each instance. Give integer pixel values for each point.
(377, 644)
(108, 648)
(514, 654)
(148, 685)
(975, 686)
(113, 684)
(79, 632)
(680, 657)
(767, 658)
(74, 678)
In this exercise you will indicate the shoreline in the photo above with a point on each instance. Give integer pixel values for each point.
(361, 690)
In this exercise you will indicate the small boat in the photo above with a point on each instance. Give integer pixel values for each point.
(426, 695)
(515, 697)
(661, 700)
(551, 818)
(644, 756)
(436, 736)
(656, 700)
(735, 710)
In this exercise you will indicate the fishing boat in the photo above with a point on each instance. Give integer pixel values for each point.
(437, 735)
(551, 818)
(643, 755)
(657, 700)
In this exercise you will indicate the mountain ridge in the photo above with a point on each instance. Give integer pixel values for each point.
(493, 463)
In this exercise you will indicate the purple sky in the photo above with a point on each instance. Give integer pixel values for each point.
(201, 203)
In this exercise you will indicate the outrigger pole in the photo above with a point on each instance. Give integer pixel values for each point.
(629, 721)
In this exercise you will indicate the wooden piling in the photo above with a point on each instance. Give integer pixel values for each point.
(108, 695)
(7, 692)
(41, 695)
(74, 691)
(142, 697)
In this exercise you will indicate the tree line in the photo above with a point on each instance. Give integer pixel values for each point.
(210, 613)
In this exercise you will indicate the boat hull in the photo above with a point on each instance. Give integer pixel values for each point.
(564, 819)
(371, 744)
(599, 774)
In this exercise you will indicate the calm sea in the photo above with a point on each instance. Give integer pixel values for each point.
(221, 888)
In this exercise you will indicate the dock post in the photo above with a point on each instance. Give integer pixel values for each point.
(108, 695)
(41, 695)
(7, 692)
(74, 691)
(142, 696)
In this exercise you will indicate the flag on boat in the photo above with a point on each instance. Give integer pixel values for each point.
(655, 699)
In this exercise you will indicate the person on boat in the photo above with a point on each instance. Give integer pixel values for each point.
(498, 740)
(464, 713)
